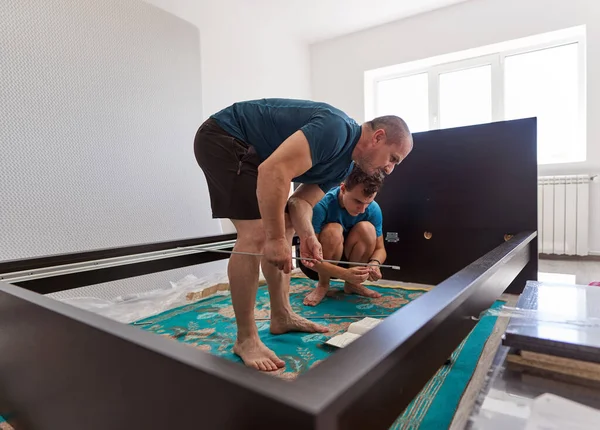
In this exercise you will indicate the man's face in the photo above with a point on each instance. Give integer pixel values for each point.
(354, 200)
(382, 156)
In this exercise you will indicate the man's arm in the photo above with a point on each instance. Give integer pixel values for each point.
(301, 205)
(275, 176)
(313, 143)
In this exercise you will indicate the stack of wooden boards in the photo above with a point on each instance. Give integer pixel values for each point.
(556, 333)
(355, 330)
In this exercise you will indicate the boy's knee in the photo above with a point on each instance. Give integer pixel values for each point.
(332, 234)
(365, 230)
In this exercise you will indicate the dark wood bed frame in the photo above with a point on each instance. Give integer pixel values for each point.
(63, 367)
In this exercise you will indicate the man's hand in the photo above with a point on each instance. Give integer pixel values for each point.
(374, 273)
(279, 253)
(356, 275)
(310, 247)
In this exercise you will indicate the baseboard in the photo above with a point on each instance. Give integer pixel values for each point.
(591, 257)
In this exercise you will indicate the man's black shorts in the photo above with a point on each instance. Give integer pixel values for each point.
(231, 170)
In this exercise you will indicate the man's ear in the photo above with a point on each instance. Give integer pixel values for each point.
(379, 136)
(343, 187)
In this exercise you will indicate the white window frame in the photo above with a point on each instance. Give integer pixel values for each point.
(495, 57)
(471, 63)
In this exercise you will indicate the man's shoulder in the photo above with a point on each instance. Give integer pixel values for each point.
(335, 116)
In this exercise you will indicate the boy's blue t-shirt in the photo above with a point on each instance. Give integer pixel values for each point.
(266, 123)
(328, 210)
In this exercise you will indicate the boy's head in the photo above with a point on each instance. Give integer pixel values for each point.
(358, 191)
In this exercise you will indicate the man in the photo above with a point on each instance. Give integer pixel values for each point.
(348, 224)
(250, 153)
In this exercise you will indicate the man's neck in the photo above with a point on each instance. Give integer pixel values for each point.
(358, 149)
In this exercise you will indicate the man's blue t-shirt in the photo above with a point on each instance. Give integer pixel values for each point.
(266, 123)
(328, 210)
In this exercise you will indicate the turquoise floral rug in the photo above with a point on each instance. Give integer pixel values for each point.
(4, 425)
(209, 325)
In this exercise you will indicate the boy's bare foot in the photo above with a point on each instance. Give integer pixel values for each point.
(315, 296)
(361, 290)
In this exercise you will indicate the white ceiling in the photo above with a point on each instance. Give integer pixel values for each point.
(317, 20)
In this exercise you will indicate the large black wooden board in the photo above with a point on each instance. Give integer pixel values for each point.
(468, 187)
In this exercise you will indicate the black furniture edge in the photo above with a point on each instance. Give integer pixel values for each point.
(53, 284)
(9, 266)
(370, 382)
(64, 367)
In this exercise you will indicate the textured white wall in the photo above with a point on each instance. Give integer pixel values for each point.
(338, 65)
(244, 56)
(100, 104)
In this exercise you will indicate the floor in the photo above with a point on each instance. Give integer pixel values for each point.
(569, 271)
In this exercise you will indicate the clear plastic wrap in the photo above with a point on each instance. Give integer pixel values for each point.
(133, 307)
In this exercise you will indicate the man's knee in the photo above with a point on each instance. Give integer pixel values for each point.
(250, 235)
(332, 234)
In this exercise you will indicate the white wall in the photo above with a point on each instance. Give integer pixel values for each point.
(99, 106)
(243, 55)
(338, 65)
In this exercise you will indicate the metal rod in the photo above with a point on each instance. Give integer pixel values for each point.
(331, 317)
(64, 269)
(351, 263)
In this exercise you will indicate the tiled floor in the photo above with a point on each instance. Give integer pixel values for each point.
(569, 271)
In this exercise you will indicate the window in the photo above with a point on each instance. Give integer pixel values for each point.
(542, 79)
(406, 97)
(466, 97)
(545, 84)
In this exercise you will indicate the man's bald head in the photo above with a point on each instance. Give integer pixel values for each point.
(396, 129)
(385, 141)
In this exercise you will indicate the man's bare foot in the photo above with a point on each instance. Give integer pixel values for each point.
(316, 295)
(361, 290)
(255, 354)
(292, 322)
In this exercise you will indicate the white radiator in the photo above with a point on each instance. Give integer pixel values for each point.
(563, 214)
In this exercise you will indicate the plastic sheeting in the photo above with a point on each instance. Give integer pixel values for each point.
(132, 307)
